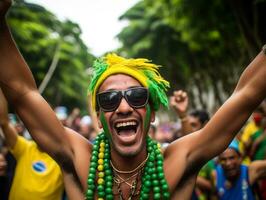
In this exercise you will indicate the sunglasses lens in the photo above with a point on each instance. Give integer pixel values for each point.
(109, 101)
(137, 97)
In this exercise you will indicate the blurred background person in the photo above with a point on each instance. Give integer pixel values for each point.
(37, 175)
(234, 180)
(86, 128)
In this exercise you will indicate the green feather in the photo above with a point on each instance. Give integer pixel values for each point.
(99, 67)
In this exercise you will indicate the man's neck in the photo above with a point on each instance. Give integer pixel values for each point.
(128, 163)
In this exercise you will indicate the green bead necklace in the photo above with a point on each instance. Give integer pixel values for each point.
(100, 178)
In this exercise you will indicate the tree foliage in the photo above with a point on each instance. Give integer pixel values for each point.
(203, 45)
(38, 34)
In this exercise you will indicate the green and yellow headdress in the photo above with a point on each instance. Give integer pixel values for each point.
(141, 69)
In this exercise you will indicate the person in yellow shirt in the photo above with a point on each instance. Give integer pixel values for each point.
(251, 127)
(37, 175)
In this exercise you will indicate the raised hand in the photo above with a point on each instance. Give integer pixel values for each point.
(179, 101)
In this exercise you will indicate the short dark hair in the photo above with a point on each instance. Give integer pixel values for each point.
(202, 115)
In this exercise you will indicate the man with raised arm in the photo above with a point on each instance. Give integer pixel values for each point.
(124, 163)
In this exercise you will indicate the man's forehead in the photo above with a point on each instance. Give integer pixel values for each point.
(229, 152)
(118, 81)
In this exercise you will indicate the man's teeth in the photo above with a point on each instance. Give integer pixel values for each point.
(124, 124)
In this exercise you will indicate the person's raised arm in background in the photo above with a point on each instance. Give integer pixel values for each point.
(179, 102)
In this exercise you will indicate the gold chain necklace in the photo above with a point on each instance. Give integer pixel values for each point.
(132, 171)
(133, 186)
(120, 180)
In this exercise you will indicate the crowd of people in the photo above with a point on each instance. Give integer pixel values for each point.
(240, 171)
(243, 162)
(26, 171)
(114, 153)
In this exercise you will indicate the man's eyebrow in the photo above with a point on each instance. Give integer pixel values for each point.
(136, 86)
(112, 89)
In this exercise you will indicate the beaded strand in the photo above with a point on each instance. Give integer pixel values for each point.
(153, 174)
(153, 179)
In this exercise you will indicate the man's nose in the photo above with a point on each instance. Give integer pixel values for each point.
(227, 162)
(124, 107)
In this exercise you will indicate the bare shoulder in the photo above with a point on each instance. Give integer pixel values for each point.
(78, 142)
(177, 165)
(81, 147)
(257, 170)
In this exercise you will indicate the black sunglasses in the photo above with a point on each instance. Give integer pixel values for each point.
(136, 97)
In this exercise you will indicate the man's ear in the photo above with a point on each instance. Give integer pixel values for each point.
(98, 119)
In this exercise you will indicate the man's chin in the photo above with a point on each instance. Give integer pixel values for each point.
(232, 175)
(128, 151)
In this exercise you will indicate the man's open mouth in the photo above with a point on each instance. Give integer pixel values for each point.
(126, 128)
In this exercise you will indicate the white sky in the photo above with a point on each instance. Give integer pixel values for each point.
(98, 19)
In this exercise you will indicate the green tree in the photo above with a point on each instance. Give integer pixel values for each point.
(39, 36)
(203, 45)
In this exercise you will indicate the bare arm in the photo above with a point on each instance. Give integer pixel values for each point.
(257, 170)
(19, 87)
(222, 128)
(204, 184)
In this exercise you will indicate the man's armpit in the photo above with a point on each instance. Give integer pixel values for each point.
(68, 167)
